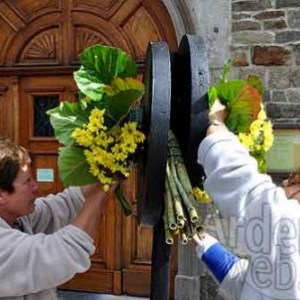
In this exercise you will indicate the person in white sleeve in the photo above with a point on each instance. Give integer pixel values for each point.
(43, 242)
(266, 215)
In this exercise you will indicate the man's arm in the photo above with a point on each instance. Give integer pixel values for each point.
(55, 211)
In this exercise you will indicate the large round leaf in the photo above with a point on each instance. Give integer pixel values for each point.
(107, 63)
(73, 168)
(65, 119)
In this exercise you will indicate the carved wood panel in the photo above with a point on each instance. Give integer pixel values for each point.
(55, 32)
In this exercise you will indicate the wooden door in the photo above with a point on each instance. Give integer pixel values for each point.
(39, 45)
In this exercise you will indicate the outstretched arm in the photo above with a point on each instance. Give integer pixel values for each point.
(227, 269)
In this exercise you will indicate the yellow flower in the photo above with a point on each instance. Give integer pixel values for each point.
(268, 142)
(201, 195)
(255, 128)
(96, 120)
(128, 129)
(128, 146)
(103, 139)
(246, 140)
(94, 169)
(139, 137)
(262, 114)
(118, 152)
(267, 128)
(82, 137)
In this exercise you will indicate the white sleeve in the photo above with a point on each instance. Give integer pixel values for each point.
(233, 284)
(231, 174)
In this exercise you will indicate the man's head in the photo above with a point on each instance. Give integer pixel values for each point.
(12, 157)
(17, 187)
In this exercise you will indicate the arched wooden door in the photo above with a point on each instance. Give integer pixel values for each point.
(39, 45)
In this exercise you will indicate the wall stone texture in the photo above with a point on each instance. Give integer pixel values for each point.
(265, 40)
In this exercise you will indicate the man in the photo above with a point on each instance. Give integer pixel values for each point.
(267, 224)
(43, 242)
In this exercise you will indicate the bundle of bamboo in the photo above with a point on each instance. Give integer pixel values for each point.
(180, 215)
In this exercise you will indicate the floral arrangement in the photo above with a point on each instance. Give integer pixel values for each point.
(99, 133)
(246, 117)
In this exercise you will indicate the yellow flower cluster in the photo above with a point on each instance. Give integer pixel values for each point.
(108, 150)
(201, 195)
(259, 139)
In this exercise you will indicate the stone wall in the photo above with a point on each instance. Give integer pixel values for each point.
(265, 40)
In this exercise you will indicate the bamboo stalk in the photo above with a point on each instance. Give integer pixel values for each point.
(193, 215)
(169, 208)
(175, 196)
(168, 234)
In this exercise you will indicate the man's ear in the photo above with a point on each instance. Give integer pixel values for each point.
(2, 197)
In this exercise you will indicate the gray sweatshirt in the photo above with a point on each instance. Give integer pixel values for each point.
(48, 253)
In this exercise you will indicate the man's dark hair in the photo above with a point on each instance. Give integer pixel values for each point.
(12, 158)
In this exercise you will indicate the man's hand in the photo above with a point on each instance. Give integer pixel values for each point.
(218, 112)
(217, 116)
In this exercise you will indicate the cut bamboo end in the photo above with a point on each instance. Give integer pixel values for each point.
(169, 241)
(180, 218)
(193, 216)
(173, 226)
(184, 239)
(180, 224)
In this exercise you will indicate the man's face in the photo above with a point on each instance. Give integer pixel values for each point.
(21, 201)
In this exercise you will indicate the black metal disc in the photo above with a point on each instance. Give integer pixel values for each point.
(189, 116)
(156, 122)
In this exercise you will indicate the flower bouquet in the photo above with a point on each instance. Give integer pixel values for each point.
(99, 133)
(246, 117)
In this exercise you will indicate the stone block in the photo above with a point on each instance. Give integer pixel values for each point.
(187, 287)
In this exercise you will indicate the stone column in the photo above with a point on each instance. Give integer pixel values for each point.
(187, 280)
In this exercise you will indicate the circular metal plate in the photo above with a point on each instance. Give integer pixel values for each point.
(189, 116)
(156, 122)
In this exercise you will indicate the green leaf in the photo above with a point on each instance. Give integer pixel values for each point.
(107, 62)
(212, 95)
(73, 168)
(65, 118)
(89, 84)
(125, 205)
(121, 95)
(243, 102)
(118, 106)
(225, 71)
(255, 81)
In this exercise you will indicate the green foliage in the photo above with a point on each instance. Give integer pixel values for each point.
(119, 104)
(242, 101)
(107, 63)
(73, 167)
(65, 118)
(89, 84)
(225, 71)
(242, 98)
(100, 65)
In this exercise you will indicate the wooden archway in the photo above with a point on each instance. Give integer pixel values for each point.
(54, 34)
